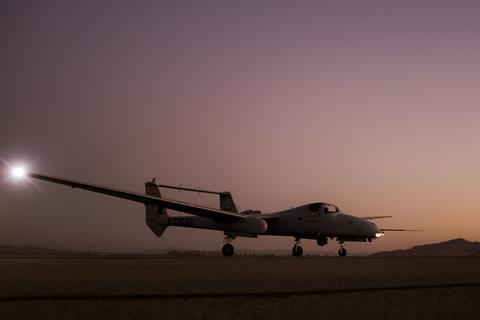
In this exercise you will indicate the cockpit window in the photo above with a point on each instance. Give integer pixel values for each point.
(322, 208)
(330, 208)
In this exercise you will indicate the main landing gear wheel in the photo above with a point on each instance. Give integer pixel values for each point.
(297, 251)
(227, 250)
(342, 252)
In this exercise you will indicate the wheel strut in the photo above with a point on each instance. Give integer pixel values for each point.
(342, 252)
(297, 250)
(227, 249)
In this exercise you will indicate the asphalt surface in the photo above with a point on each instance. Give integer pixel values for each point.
(239, 288)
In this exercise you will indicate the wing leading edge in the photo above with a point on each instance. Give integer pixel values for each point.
(145, 199)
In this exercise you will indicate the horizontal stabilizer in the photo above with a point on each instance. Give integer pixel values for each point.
(226, 199)
(180, 188)
(376, 217)
(383, 229)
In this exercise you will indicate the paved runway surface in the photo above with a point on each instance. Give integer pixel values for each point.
(239, 288)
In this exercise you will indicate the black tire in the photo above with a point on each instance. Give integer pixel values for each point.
(342, 252)
(297, 251)
(321, 241)
(228, 250)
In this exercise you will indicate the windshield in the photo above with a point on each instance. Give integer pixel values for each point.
(330, 208)
(323, 207)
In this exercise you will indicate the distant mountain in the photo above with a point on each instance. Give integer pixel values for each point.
(452, 248)
(32, 250)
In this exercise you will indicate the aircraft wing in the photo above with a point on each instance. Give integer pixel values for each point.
(376, 217)
(269, 216)
(145, 199)
(383, 229)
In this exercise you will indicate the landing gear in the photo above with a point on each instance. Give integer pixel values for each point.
(227, 249)
(321, 241)
(342, 252)
(297, 250)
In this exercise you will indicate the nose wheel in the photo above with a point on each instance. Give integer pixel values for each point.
(342, 252)
(297, 250)
(228, 249)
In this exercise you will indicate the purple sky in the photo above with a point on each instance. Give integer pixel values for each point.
(369, 105)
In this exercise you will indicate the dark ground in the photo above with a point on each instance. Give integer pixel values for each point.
(239, 288)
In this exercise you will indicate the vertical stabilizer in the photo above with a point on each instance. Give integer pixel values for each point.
(155, 215)
(227, 203)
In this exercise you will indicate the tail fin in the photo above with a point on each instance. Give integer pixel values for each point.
(155, 216)
(227, 203)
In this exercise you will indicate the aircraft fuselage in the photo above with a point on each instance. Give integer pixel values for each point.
(300, 222)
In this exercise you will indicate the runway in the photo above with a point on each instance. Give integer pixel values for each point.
(239, 287)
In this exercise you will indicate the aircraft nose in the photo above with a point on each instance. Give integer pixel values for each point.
(376, 231)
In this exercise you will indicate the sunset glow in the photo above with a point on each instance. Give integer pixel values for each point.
(371, 106)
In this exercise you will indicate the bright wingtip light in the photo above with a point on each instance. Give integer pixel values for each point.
(19, 172)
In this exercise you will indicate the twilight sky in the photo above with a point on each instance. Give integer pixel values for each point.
(373, 106)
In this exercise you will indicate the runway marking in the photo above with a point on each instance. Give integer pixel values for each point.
(230, 294)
